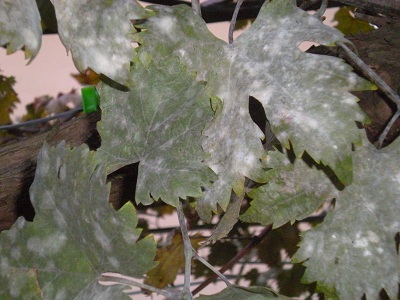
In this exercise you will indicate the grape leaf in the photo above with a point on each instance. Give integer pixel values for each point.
(158, 123)
(228, 220)
(99, 35)
(239, 293)
(354, 250)
(20, 27)
(305, 96)
(8, 99)
(75, 236)
(171, 260)
(294, 191)
(350, 25)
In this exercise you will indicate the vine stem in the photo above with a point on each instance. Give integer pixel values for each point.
(371, 74)
(212, 268)
(254, 242)
(384, 133)
(380, 83)
(324, 5)
(187, 251)
(233, 21)
(196, 7)
(124, 280)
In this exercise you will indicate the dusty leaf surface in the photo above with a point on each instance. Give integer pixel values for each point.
(293, 192)
(360, 231)
(100, 38)
(76, 235)
(159, 123)
(20, 27)
(306, 97)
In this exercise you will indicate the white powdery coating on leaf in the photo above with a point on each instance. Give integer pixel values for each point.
(360, 231)
(273, 70)
(293, 192)
(66, 210)
(15, 289)
(49, 245)
(16, 253)
(364, 241)
(103, 46)
(4, 265)
(20, 26)
(114, 262)
(166, 25)
(397, 178)
(61, 294)
(31, 36)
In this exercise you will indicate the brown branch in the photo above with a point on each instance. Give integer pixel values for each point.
(254, 242)
(385, 7)
(18, 163)
(218, 11)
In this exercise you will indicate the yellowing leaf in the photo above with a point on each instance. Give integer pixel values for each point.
(8, 99)
(171, 259)
(88, 77)
(350, 25)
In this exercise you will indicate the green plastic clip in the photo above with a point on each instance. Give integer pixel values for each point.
(90, 99)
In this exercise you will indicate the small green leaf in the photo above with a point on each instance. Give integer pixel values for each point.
(353, 252)
(159, 123)
(20, 27)
(293, 192)
(76, 235)
(228, 220)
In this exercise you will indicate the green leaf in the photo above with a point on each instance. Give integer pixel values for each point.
(20, 27)
(349, 25)
(354, 250)
(159, 123)
(99, 34)
(240, 293)
(76, 235)
(294, 191)
(228, 220)
(305, 96)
